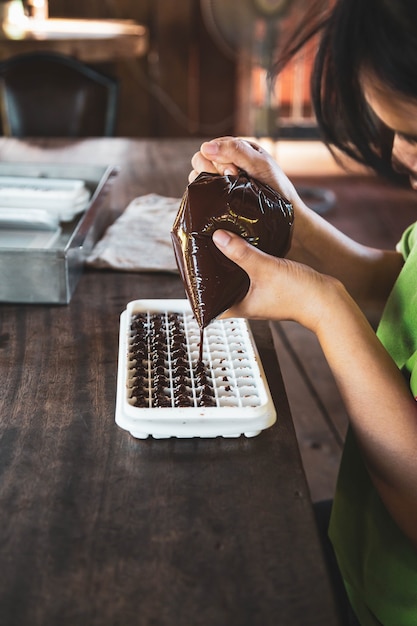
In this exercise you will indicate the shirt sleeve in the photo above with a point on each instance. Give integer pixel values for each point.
(407, 241)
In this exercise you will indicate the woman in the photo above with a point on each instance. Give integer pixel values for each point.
(365, 87)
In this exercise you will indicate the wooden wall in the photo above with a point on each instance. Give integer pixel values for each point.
(185, 86)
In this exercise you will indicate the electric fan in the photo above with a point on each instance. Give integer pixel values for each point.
(234, 24)
(251, 32)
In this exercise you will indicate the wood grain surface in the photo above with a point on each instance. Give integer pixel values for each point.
(100, 529)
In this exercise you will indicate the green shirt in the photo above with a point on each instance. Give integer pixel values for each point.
(378, 563)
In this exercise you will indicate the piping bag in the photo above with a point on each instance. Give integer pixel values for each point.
(238, 203)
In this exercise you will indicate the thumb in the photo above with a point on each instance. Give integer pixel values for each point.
(235, 248)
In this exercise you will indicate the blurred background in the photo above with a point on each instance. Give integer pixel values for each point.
(205, 70)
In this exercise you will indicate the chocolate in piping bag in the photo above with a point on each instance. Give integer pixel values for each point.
(240, 204)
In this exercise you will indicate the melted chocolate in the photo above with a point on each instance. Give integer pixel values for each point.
(240, 204)
(160, 349)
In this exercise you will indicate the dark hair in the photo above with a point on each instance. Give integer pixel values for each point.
(378, 35)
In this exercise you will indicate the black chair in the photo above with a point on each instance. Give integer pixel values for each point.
(46, 94)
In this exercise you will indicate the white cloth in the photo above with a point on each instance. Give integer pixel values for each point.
(140, 239)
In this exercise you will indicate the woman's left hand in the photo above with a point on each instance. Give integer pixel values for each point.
(279, 288)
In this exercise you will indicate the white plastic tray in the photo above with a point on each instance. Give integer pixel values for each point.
(235, 381)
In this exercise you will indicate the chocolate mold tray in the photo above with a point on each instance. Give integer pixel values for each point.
(164, 390)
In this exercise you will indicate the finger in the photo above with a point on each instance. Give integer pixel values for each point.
(201, 164)
(236, 248)
(233, 152)
(192, 176)
(226, 169)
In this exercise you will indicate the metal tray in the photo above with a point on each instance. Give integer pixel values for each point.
(44, 267)
(160, 390)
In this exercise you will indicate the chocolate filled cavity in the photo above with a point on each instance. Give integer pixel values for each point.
(240, 204)
(162, 375)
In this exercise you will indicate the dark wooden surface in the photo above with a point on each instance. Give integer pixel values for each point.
(100, 529)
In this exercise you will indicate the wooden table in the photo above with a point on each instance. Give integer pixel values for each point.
(100, 529)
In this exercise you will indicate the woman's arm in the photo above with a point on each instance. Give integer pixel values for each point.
(379, 403)
(368, 274)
